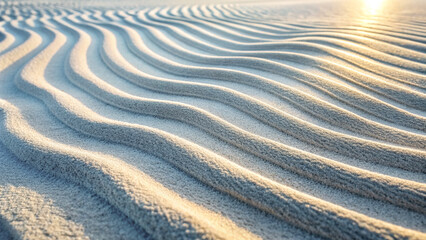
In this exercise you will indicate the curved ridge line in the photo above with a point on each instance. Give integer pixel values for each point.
(7, 41)
(10, 57)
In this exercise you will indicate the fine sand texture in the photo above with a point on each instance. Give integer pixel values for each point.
(245, 120)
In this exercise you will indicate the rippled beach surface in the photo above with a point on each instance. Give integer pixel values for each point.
(243, 120)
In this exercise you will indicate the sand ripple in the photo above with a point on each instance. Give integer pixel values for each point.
(211, 121)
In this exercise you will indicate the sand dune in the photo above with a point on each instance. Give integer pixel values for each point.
(218, 121)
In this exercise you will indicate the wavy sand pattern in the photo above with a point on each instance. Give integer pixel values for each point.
(220, 121)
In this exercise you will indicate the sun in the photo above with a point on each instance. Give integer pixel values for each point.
(373, 7)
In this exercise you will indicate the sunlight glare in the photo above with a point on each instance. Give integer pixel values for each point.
(373, 7)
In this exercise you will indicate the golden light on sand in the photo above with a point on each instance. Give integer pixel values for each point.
(372, 9)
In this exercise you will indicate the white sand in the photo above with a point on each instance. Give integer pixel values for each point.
(291, 120)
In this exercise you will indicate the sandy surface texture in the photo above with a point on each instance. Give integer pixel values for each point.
(244, 120)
